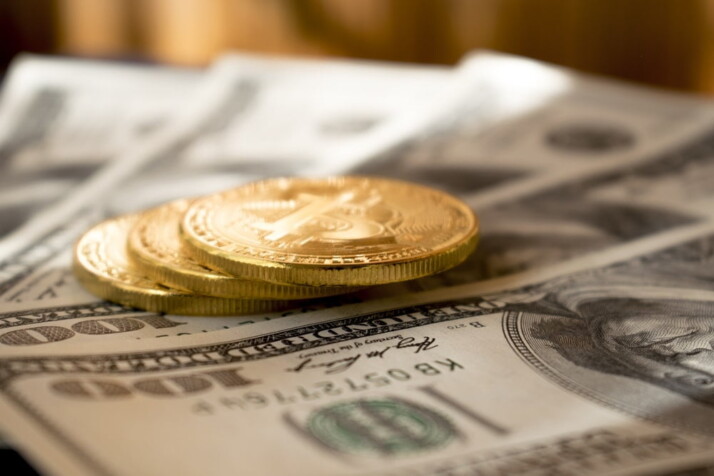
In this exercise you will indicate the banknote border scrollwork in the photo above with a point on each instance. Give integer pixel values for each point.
(56, 313)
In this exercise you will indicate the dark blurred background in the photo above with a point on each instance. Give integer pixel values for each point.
(662, 42)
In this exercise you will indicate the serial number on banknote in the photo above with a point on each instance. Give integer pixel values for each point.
(256, 400)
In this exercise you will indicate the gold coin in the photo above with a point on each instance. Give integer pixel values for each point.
(155, 248)
(353, 231)
(101, 265)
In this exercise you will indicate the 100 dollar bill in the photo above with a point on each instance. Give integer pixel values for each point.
(594, 366)
(36, 326)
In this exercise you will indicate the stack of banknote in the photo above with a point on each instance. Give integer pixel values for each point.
(576, 339)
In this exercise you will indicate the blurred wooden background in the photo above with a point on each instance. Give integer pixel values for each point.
(663, 42)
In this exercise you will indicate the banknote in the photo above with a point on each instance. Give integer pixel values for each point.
(528, 122)
(597, 365)
(540, 220)
(293, 117)
(253, 117)
(553, 181)
(216, 141)
(62, 119)
(612, 192)
(670, 189)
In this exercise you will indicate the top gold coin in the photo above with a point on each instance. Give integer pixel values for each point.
(155, 249)
(349, 230)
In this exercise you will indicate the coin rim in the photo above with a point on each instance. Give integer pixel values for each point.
(207, 283)
(353, 274)
(192, 235)
(156, 300)
(366, 275)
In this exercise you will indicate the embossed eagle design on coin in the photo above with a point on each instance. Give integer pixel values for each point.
(340, 230)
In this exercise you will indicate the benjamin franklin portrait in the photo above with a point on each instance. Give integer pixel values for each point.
(639, 338)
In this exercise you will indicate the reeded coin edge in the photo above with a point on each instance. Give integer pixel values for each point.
(147, 260)
(366, 275)
(174, 303)
(160, 300)
(227, 287)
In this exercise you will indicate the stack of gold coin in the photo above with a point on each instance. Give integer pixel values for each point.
(268, 244)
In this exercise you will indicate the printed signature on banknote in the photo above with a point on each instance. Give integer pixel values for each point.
(340, 365)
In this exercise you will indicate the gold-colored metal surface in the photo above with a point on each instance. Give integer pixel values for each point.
(342, 230)
(102, 266)
(155, 248)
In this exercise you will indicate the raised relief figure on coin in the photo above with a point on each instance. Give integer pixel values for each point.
(344, 230)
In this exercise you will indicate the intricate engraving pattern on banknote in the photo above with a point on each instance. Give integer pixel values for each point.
(277, 343)
(595, 451)
(590, 137)
(590, 214)
(379, 427)
(39, 326)
(636, 336)
(90, 375)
